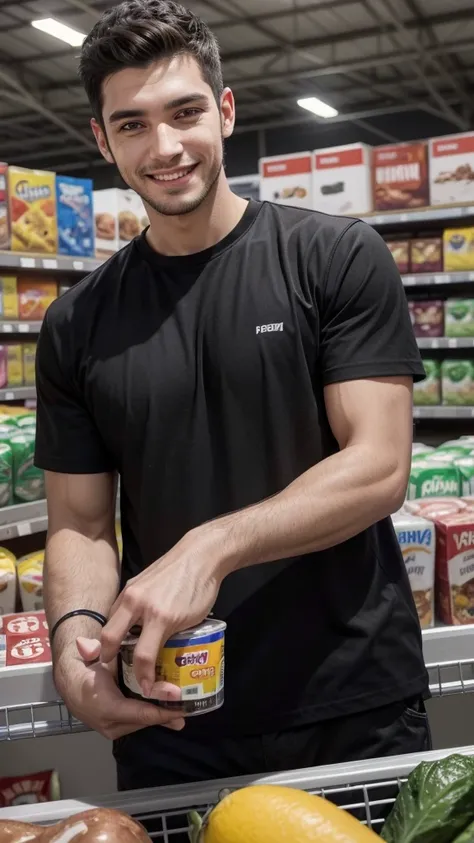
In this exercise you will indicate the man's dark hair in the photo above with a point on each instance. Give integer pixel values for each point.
(137, 33)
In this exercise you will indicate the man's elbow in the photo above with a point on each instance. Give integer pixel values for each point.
(395, 489)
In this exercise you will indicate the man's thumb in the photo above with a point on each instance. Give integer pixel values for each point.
(88, 649)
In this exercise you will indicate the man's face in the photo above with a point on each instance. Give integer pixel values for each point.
(164, 131)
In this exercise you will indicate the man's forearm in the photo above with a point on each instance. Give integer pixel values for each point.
(80, 573)
(328, 504)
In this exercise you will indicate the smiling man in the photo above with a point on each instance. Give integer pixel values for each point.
(247, 370)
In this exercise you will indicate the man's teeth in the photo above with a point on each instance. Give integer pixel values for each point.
(173, 176)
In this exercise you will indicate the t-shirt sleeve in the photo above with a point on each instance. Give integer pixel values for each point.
(67, 440)
(366, 331)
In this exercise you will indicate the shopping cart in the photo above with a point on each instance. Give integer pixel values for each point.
(367, 789)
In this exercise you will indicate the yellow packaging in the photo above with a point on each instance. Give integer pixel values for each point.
(14, 365)
(193, 660)
(30, 578)
(459, 249)
(29, 358)
(7, 581)
(32, 204)
(9, 297)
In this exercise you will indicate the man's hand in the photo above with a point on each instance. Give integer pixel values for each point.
(174, 593)
(91, 694)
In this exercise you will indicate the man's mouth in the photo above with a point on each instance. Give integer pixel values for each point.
(172, 176)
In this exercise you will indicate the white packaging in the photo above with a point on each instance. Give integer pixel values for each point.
(106, 222)
(7, 583)
(417, 539)
(287, 180)
(342, 179)
(452, 169)
(132, 217)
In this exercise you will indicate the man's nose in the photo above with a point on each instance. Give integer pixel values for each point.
(166, 143)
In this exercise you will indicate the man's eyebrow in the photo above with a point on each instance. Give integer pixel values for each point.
(126, 113)
(187, 99)
(134, 113)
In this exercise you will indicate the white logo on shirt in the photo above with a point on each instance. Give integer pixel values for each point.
(274, 326)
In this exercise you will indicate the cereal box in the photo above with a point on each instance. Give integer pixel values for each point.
(452, 169)
(455, 568)
(457, 382)
(32, 208)
(429, 480)
(8, 297)
(287, 179)
(459, 249)
(7, 583)
(416, 538)
(400, 176)
(106, 222)
(400, 250)
(342, 179)
(14, 364)
(35, 296)
(4, 227)
(428, 391)
(427, 318)
(459, 317)
(75, 216)
(30, 580)
(132, 217)
(29, 364)
(426, 254)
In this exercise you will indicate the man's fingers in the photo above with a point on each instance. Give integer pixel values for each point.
(166, 692)
(115, 631)
(145, 655)
(88, 649)
(142, 714)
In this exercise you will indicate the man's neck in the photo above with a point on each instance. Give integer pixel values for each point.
(213, 220)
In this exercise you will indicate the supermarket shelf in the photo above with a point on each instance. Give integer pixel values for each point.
(20, 327)
(22, 520)
(445, 342)
(17, 393)
(429, 214)
(443, 412)
(427, 279)
(61, 263)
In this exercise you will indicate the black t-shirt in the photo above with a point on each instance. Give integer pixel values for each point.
(200, 380)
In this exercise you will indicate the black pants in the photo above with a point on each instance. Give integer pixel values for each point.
(156, 757)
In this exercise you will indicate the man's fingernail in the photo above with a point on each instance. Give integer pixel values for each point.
(176, 725)
(146, 688)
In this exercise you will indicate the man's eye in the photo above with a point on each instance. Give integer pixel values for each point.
(130, 127)
(189, 112)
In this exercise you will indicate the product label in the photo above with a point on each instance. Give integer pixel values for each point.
(416, 538)
(453, 146)
(287, 167)
(345, 158)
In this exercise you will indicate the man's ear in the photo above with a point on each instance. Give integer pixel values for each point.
(101, 140)
(227, 113)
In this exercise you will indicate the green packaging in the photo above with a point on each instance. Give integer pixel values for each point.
(433, 480)
(459, 318)
(28, 481)
(6, 474)
(428, 391)
(457, 379)
(466, 468)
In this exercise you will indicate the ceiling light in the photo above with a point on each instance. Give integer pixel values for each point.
(60, 30)
(318, 107)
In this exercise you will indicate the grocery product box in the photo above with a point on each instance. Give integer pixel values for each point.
(457, 382)
(132, 217)
(428, 391)
(8, 297)
(7, 584)
(427, 318)
(433, 480)
(20, 624)
(14, 364)
(29, 363)
(426, 254)
(433, 508)
(455, 568)
(400, 250)
(32, 210)
(35, 296)
(465, 464)
(25, 659)
(119, 216)
(4, 225)
(287, 179)
(459, 317)
(458, 246)
(417, 541)
(342, 179)
(400, 176)
(452, 169)
(75, 216)
(30, 580)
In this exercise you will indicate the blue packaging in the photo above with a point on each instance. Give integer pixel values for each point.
(75, 216)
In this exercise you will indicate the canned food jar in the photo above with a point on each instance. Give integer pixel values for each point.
(193, 660)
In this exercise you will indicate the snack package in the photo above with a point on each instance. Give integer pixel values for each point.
(35, 296)
(14, 364)
(433, 480)
(30, 580)
(75, 216)
(426, 254)
(132, 217)
(416, 538)
(4, 226)
(342, 180)
(105, 222)
(458, 244)
(400, 250)
(400, 176)
(459, 317)
(29, 363)
(457, 382)
(32, 209)
(428, 391)
(7, 583)
(433, 508)
(427, 318)
(455, 568)
(20, 625)
(6, 474)
(8, 297)
(452, 169)
(3, 366)
(29, 789)
(287, 179)
(28, 481)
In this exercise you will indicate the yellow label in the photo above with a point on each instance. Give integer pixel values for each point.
(8, 285)
(14, 365)
(32, 203)
(459, 249)
(29, 357)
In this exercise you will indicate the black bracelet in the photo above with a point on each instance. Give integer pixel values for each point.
(89, 613)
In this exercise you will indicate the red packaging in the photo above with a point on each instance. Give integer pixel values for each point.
(29, 789)
(455, 568)
(400, 176)
(24, 639)
(4, 228)
(400, 250)
(24, 624)
(427, 318)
